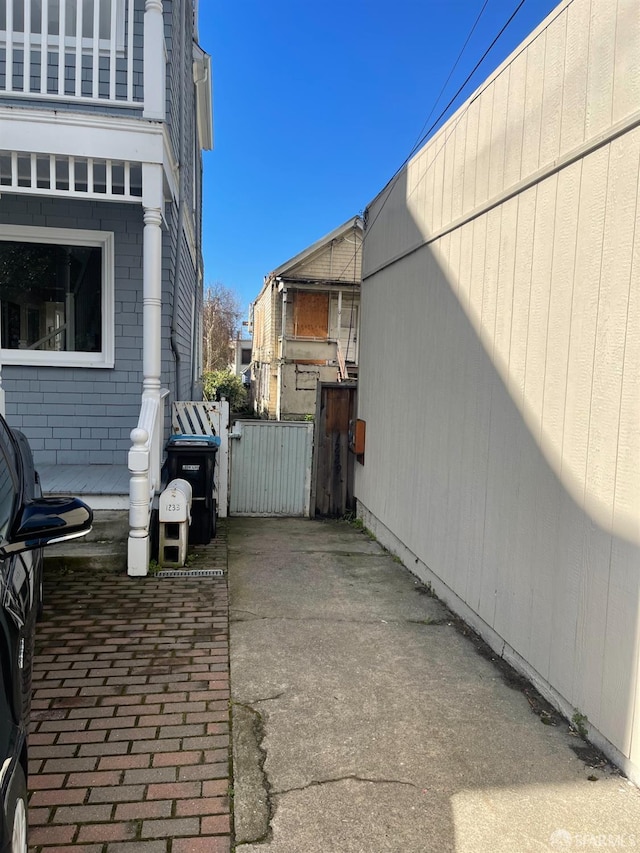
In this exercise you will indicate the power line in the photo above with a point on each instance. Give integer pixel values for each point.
(446, 82)
(391, 183)
(422, 135)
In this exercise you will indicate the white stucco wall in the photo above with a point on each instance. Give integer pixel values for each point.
(503, 269)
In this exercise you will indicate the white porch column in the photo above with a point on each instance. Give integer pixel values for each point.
(152, 204)
(151, 301)
(138, 545)
(154, 59)
(144, 456)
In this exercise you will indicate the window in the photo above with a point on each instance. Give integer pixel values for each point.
(310, 315)
(56, 297)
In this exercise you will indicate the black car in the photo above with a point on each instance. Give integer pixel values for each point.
(28, 522)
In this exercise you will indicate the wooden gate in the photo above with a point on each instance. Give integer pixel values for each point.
(333, 462)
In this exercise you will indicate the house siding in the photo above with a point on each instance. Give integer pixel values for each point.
(186, 293)
(341, 261)
(180, 275)
(82, 415)
(504, 267)
(265, 351)
(180, 103)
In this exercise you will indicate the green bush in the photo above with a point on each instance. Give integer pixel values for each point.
(222, 383)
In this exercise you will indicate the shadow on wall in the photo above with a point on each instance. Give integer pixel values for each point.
(501, 411)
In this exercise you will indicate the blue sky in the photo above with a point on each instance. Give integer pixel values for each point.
(316, 104)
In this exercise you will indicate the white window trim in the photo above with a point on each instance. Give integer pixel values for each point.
(69, 237)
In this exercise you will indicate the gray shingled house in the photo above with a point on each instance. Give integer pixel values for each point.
(105, 107)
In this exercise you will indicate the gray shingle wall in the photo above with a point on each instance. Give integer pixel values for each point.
(178, 22)
(82, 415)
(187, 293)
(179, 266)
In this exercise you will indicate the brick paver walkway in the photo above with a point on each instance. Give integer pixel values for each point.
(129, 745)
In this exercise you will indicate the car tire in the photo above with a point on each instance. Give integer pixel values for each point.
(17, 812)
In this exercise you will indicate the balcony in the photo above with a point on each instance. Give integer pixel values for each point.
(76, 78)
(309, 350)
(89, 52)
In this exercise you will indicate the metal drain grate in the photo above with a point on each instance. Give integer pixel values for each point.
(190, 573)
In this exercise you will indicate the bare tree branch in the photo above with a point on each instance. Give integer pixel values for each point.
(221, 312)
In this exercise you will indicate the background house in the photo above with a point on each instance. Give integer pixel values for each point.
(104, 109)
(504, 265)
(305, 325)
(240, 357)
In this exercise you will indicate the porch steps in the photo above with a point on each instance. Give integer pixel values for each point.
(103, 487)
(104, 548)
(352, 372)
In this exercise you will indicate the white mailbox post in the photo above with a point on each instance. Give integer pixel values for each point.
(174, 518)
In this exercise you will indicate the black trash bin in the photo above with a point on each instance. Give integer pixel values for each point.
(193, 458)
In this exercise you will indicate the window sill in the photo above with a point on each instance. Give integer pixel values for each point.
(54, 359)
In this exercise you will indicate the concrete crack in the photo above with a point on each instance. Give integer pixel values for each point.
(351, 776)
(253, 808)
(326, 620)
(240, 619)
(269, 698)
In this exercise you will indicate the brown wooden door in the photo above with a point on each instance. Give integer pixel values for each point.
(333, 470)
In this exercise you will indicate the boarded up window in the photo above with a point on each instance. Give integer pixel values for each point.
(311, 315)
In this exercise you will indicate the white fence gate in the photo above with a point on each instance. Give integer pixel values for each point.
(271, 468)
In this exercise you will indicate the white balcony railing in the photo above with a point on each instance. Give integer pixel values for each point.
(80, 177)
(71, 49)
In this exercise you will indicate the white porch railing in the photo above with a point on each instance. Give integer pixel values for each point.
(145, 463)
(62, 49)
(80, 177)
